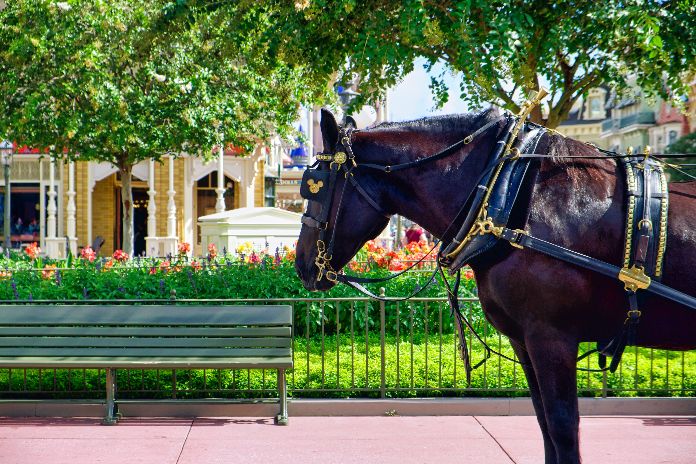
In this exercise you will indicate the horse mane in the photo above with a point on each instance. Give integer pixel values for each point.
(442, 124)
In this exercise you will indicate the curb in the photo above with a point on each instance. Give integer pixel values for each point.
(349, 407)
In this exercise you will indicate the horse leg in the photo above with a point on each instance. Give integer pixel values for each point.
(553, 358)
(535, 393)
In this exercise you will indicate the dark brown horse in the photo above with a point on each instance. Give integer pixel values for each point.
(545, 306)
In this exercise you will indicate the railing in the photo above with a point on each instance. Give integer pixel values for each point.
(645, 117)
(610, 124)
(356, 347)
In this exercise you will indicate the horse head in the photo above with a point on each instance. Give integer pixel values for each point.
(350, 202)
(348, 219)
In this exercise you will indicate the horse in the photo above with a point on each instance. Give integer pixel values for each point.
(545, 306)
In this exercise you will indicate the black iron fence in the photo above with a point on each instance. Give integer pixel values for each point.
(357, 347)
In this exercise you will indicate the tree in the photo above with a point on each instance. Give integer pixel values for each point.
(503, 48)
(88, 80)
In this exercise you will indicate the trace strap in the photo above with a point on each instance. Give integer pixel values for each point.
(525, 240)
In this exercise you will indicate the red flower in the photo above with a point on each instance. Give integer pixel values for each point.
(120, 256)
(32, 250)
(195, 265)
(184, 247)
(88, 253)
(468, 274)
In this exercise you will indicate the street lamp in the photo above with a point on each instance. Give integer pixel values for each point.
(6, 159)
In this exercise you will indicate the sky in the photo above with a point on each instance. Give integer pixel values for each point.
(412, 99)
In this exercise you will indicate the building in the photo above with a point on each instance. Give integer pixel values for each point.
(65, 205)
(584, 121)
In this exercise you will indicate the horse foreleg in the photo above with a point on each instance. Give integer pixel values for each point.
(553, 360)
(534, 392)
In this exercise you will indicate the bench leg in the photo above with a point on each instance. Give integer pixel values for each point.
(111, 417)
(282, 418)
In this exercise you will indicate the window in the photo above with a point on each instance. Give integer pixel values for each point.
(24, 212)
(269, 191)
(672, 137)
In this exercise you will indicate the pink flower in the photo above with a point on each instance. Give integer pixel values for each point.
(164, 265)
(212, 251)
(195, 265)
(120, 256)
(184, 247)
(88, 253)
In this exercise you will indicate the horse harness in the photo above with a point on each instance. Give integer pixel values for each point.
(483, 221)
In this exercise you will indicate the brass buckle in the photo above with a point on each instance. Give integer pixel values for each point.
(519, 233)
(634, 278)
(646, 222)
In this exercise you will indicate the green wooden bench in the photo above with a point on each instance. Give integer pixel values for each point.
(148, 337)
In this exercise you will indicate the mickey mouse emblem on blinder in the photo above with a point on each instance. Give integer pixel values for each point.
(314, 187)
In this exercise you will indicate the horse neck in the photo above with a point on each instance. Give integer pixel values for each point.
(433, 193)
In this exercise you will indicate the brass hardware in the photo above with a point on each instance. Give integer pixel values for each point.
(340, 157)
(519, 232)
(634, 278)
(629, 151)
(515, 153)
(632, 313)
(534, 99)
(468, 139)
(323, 263)
(645, 221)
(324, 157)
(646, 151)
(314, 187)
(662, 243)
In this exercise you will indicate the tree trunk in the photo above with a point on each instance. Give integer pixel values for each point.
(127, 209)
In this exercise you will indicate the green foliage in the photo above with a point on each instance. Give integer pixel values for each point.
(502, 48)
(685, 144)
(340, 367)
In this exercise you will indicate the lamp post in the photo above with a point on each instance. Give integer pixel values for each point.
(6, 159)
(346, 95)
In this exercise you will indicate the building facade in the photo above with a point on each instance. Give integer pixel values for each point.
(70, 205)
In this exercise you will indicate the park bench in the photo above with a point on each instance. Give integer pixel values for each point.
(148, 337)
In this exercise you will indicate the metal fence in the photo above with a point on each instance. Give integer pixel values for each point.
(357, 347)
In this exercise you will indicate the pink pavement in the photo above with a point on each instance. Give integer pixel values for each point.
(384, 440)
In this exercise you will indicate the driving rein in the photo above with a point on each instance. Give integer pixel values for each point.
(484, 216)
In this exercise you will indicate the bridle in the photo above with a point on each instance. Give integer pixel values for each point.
(319, 185)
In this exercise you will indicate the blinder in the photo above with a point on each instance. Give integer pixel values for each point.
(315, 185)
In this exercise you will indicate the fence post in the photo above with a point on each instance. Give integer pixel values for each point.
(382, 324)
(604, 384)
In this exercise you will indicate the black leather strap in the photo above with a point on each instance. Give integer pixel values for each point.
(593, 264)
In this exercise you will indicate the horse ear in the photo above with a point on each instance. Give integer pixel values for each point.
(329, 129)
(350, 122)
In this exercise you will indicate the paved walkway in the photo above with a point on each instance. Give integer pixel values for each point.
(384, 440)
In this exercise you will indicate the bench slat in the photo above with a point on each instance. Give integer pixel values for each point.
(123, 362)
(147, 315)
(142, 342)
(184, 353)
(112, 331)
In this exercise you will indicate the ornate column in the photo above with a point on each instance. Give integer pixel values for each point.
(71, 210)
(246, 186)
(53, 243)
(170, 242)
(151, 241)
(220, 190)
